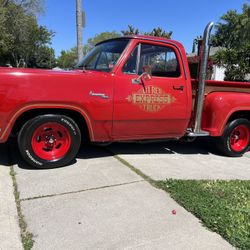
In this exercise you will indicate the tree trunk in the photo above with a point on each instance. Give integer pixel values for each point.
(79, 27)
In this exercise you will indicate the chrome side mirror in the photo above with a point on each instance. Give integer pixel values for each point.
(146, 75)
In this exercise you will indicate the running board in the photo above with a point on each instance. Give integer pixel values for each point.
(198, 134)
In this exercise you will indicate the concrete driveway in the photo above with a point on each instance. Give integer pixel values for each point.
(182, 160)
(99, 203)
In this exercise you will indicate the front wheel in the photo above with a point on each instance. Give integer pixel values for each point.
(49, 141)
(235, 140)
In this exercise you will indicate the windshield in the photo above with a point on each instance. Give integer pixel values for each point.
(104, 56)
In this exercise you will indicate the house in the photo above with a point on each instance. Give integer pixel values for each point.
(215, 72)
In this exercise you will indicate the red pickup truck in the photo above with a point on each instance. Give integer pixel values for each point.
(128, 88)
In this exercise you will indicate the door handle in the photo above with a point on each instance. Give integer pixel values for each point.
(102, 95)
(178, 87)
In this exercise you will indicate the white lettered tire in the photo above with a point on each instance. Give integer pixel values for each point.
(49, 141)
(235, 140)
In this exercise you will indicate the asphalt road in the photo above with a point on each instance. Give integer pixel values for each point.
(97, 202)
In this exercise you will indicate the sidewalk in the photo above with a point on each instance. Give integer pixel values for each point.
(9, 228)
(99, 203)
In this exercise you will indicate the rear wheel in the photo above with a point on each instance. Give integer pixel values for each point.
(235, 140)
(49, 141)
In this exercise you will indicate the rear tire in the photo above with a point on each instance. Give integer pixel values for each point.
(49, 141)
(235, 140)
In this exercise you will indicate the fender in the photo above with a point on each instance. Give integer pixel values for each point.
(31, 106)
(218, 108)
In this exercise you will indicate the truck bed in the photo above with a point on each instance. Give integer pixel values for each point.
(222, 86)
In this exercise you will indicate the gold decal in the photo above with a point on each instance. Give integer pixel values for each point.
(151, 99)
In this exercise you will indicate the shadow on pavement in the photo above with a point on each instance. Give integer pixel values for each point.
(9, 155)
(93, 151)
(10, 150)
(200, 146)
(4, 156)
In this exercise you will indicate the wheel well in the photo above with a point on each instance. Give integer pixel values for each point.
(76, 116)
(239, 114)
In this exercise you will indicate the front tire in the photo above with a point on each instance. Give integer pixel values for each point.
(235, 140)
(49, 141)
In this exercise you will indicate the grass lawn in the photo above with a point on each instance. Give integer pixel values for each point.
(223, 206)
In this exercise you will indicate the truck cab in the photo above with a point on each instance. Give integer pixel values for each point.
(145, 105)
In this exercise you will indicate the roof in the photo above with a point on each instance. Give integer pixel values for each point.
(146, 38)
(213, 51)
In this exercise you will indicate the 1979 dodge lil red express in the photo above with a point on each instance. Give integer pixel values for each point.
(128, 88)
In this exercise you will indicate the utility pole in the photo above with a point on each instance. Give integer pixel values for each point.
(79, 27)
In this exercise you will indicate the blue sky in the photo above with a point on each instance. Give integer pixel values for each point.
(186, 18)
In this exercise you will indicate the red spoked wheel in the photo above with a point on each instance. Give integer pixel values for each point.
(51, 141)
(239, 138)
(235, 140)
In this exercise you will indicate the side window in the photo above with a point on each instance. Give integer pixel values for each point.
(161, 59)
(130, 66)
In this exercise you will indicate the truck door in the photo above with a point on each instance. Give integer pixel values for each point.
(158, 108)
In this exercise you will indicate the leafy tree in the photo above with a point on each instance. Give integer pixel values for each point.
(155, 32)
(67, 59)
(33, 7)
(44, 58)
(130, 31)
(4, 36)
(21, 37)
(160, 33)
(101, 37)
(233, 34)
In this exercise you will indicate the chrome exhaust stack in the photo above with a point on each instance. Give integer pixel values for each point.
(199, 102)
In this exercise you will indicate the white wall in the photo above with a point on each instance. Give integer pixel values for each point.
(218, 73)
